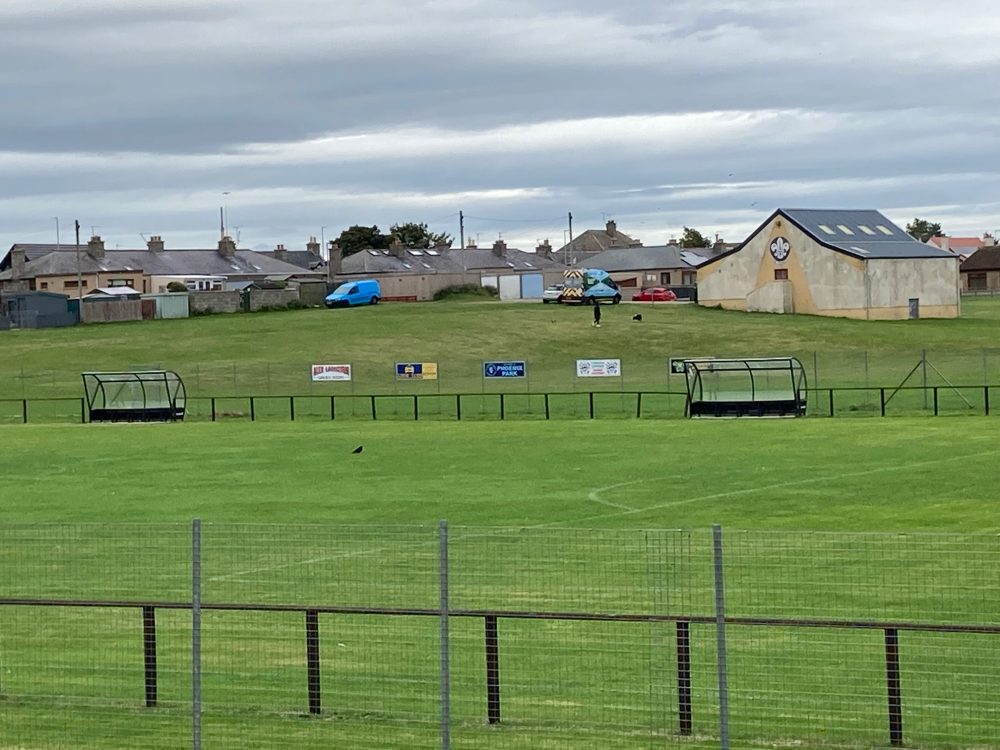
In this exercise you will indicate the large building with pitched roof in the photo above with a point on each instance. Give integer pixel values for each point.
(854, 264)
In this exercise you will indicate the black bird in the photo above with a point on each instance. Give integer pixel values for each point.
(637, 316)
(358, 449)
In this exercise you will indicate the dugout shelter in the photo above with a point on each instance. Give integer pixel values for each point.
(140, 396)
(761, 387)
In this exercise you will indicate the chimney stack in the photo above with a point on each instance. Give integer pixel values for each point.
(17, 262)
(544, 249)
(155, 244)
(336, 259)
(471, 245)
(280, 253)
(312, 246)
(988, 240)
(95, 248)
(611, 228)
(499, 248)
(397, 248)
(227, 248)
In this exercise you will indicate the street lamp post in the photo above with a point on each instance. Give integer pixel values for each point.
(322, 243)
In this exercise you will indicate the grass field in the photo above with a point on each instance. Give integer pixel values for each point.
(878, 520)
(544, 516)
(271, 353)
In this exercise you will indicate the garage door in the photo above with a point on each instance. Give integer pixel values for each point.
(532, 286)
(510, 287)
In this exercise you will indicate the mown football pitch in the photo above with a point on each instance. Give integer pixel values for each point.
(542, 515)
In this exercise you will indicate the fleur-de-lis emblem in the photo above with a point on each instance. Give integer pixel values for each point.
(780, 248)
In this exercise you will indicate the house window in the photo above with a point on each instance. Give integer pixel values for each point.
(977, 281)
(665, 278)
(43, 285)
(689, 278)
(119, 282)
(72, 284)
(781, 274)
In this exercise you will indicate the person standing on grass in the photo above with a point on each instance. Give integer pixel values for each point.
(597, 314)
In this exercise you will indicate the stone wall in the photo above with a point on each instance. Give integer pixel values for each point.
(227, 302)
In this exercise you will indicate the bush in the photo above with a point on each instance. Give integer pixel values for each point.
(297, 304)
(177, 286)
(466, 290)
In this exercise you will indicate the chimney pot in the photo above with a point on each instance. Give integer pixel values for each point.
(155, 244)
(95, 247)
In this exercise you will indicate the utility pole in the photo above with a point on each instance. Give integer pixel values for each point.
(79, 272)
(566, 253)
(222, 225)
(461, 231)
(57, 232)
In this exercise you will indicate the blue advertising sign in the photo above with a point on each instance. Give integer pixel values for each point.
(504, 370)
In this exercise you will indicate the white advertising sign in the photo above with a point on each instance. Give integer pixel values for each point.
(598, 368)
(331, 372)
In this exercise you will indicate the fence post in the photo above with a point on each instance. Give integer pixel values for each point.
(253, 410)
(684, 676)
(445, 649)
(149, 653)
(492, 670)
(83, 412)
(638, 405)
(24, 411)
(986, 400)
(333, 408)
(831, 402)
(502, 410)
(591, 394)
(546, 406)
(291, 408)
(935, 400)
(720, 638)
(374, 413)
(312, 660)
(213, 408)
(893, 687)
(196, 634)
(458, 407)
(881, 398)
(416, 408)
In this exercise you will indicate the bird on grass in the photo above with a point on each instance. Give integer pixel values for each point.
(358, 449)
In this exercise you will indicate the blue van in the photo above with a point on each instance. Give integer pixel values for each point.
(350, 293)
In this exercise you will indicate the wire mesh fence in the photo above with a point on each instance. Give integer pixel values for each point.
(232, 635)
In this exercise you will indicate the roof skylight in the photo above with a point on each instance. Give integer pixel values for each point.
(845, 229)
(425, 265)
(376, 253)
(861, 250)
(432, 252)
(826, 229)
(866, 229)
(415, 252)
(884, 229)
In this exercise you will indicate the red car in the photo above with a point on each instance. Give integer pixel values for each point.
(655, 294)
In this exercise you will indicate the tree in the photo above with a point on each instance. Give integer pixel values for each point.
(923, 230)
(416, 235)
(694, 238)
(356, 238)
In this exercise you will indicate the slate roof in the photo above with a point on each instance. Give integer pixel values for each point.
(858, 233)
(597, 241)
(984, 259)
(301, 258)
(445, 261)
(639, 258)
(48, 260)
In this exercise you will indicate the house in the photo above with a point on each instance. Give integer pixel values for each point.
(963, 247)
(980, 272)
(309, 259)
(634, 268)
(418, 273)
(60, 268)
(591, 242)
(854, 264)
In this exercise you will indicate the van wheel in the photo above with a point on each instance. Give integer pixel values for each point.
(375, 300)
(617, 299)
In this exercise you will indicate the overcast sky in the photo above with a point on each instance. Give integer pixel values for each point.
(142, 117)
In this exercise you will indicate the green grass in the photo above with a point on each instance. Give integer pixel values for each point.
(830, 519)
(271, 353)
(544, 516)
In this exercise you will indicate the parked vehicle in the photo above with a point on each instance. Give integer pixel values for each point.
(350, 293)
(655, 294)
(589, 286)
(552, 293)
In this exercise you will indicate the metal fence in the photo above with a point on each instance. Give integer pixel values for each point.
(882, 401)
(226, 636)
